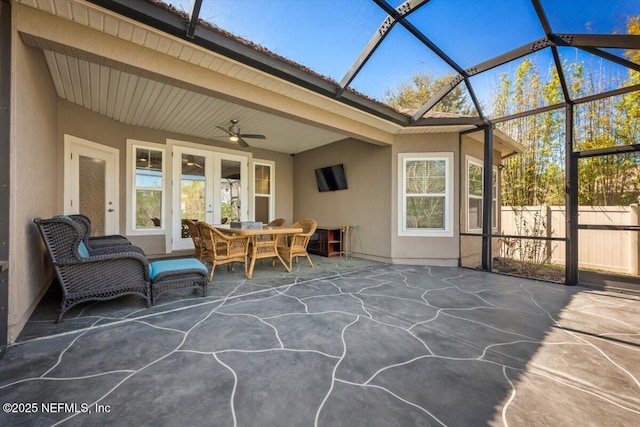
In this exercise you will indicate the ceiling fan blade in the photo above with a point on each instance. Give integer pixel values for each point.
(242, 143)
(251, 135)
(226, 130)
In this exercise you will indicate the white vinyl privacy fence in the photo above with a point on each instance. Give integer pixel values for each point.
(609, 250)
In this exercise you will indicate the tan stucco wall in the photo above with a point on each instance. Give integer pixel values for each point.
(82, 123)
(34, 178)
(364, 203)
(419, 249)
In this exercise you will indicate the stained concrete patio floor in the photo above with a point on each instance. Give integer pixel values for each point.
(348, 343)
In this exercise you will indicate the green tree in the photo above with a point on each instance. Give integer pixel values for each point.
(605, 123)
(415, 93)
(531, 177)
(537, 175)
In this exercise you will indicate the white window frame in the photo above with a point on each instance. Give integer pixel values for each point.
(494, 197)
(132, 146)
(403, 230)
(272, 187)
(472, 161)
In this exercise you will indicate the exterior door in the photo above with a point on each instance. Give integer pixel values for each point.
(91, 183)
(193, 191)
(207, 186)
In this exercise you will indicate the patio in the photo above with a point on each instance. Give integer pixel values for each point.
(350, 342)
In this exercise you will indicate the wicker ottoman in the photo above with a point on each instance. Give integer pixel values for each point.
(171, 274)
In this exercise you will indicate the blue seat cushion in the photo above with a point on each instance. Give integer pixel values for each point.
(158, 267)
(82, 250)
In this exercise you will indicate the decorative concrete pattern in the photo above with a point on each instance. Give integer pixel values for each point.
(364, 344)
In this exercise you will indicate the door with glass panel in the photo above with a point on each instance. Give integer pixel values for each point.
(193, 191)
(208, 186)
(91, 183)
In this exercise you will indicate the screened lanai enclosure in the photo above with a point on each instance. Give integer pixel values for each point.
(559, 77)
(495, 135)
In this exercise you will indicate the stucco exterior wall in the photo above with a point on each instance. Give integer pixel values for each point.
(372, 198)
(364, 203)
(34, 179)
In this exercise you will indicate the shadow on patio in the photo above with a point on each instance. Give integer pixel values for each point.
(346, 343)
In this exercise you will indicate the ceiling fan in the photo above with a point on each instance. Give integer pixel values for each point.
(189, 160)
(236, 136)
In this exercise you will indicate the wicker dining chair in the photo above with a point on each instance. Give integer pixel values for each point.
(222, 248)
(278, 222)
(196, 236)
(297, 245)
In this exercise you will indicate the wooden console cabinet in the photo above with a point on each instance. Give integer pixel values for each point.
(326, 241)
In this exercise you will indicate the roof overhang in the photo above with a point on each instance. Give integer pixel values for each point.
(83, 42)
(502, 142)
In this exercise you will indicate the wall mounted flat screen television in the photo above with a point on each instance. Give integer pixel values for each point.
(331, 178)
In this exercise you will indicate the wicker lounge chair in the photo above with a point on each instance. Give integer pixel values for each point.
(297, 245)
(94, 242)
(101, 245)
(84, 276)
(223, 249)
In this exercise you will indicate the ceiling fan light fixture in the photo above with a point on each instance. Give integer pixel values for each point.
(190, 161)
(236, 137)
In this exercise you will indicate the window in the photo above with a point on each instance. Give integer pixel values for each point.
(475, 180)
(147, 188)
(425, 194)
(494, 199)
(263, 190)
(474, 194)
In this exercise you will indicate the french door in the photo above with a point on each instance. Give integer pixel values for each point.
(91, 183)
(208, 186)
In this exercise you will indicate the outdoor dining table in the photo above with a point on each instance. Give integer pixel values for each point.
(261, 247)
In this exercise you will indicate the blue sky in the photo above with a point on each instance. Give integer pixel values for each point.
(327, 35)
